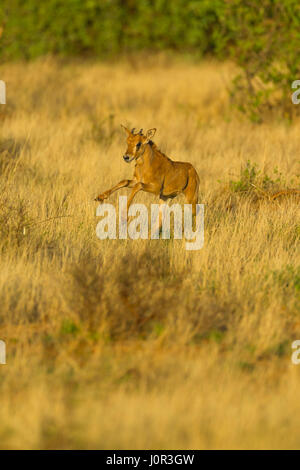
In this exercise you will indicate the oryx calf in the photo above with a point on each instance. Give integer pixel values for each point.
(155, 172)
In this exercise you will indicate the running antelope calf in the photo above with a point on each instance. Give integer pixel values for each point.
(155, 172)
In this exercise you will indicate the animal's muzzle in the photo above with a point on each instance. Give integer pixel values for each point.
(127, 158)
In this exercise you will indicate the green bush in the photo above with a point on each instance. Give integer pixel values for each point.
(251, 179)
(261, 36)
(263, 39)
(107, 27)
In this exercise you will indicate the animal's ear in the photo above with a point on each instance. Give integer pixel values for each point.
(125, 128)
(150, 133)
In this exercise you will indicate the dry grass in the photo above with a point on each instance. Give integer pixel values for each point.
(141, 344)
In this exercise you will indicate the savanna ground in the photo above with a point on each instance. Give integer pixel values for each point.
(142, 344)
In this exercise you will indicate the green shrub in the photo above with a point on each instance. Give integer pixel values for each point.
(252, 179)
(263, 39)
(106, 27)
(260, 36)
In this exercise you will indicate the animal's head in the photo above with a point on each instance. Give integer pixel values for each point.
(136, 143)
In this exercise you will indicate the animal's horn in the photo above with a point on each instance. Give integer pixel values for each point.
(141, 132)
(132, 130)
(125, 129)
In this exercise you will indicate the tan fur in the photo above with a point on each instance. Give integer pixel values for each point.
(155, 172)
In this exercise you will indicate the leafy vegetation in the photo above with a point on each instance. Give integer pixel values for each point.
(253, 179)
(263, 38)
(260, 36)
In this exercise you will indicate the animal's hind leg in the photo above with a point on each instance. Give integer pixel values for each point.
(191, 191)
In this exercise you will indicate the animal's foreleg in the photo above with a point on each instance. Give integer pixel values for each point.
(148, 188)
(158, 223)
(121, 184)
(161, 214)
(136, 188)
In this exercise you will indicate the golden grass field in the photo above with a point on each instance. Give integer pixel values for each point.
(122, 344)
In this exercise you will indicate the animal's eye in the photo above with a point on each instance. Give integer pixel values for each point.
(138, 145)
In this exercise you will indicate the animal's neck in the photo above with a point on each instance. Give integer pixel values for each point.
(147, 155)
(155, 150)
